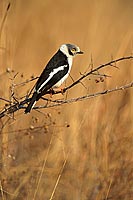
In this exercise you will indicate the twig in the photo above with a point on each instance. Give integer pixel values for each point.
(4, 191)
(109, 187)
(3, 99)
(20, 105)
(13, 108)
(89, 96)
(101, 75)
(96, 69)
(59, 177)
(25, 82)
(1, 189)
(43, 167)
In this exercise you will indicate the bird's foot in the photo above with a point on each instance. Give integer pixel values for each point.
(51, 92)
(62, 91)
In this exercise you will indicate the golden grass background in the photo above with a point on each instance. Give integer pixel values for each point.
(93, 137)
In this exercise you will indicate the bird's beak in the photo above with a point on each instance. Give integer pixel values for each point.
(80, 52)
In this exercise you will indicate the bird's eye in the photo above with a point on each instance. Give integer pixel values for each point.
(73, 49)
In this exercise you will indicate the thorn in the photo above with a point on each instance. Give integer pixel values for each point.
(114, 66)
(8, 6)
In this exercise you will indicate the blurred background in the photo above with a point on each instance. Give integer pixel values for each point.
(77, 151)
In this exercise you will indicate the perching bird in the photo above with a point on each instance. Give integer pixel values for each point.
(55, 72)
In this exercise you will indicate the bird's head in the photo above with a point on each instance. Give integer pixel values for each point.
(70, 50)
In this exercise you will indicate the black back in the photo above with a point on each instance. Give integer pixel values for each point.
(59, 59)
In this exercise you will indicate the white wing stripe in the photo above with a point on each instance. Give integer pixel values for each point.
(51, 75)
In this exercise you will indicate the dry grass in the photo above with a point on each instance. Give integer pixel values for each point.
(81, 151)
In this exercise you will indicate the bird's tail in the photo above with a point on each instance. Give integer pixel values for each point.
(32, 103)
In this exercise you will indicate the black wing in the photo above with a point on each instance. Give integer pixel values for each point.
(56, 77)
(59, 59)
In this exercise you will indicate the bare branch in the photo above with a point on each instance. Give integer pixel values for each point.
(96, 69)
(3, 99)
(20, 105)
(25, 82)
(88, 96)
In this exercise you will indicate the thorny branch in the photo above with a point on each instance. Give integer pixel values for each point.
(88, 96)
(20, 105)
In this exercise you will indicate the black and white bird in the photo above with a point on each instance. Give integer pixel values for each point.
(55, 72)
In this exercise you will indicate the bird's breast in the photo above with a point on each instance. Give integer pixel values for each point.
(70, 60)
